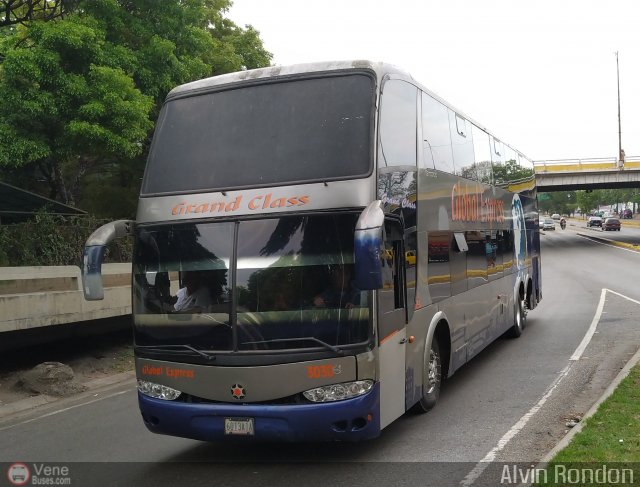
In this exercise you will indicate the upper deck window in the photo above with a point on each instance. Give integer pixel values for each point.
(275, 133)
(398, 124)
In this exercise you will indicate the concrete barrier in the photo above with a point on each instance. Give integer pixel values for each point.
(32, 297)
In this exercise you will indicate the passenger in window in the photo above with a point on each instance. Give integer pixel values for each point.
(341, 292)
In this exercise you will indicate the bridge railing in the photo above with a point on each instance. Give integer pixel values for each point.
(587, 164)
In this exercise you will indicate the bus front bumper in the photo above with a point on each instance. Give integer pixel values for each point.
(348, 420)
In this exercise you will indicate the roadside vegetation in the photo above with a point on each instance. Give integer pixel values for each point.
(611, 437)
(567, 202)
(54, 240)
(82, 82)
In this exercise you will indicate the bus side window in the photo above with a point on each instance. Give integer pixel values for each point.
(411, 266)
(482, 155)
(462, 147)
(438, 265)
(392, 297)
(436, 137)
(393, 266)
(476, 259)
(398, 124)
(507, 254)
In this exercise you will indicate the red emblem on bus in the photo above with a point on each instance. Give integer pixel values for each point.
(238, 391)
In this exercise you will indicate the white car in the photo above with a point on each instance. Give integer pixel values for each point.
(594, 221)
(555, 216)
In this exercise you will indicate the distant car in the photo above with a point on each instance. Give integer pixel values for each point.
(555, 216)
(594, 221)
(541, 223)
(611, 224)
(627, 213)
(549, 224)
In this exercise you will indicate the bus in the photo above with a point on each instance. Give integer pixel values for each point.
(317, 248)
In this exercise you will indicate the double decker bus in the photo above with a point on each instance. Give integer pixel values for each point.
(317, 247)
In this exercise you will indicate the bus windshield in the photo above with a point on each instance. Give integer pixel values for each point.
(286, 283)
(302, 130)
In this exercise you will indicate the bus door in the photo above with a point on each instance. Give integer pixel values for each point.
(392, 321)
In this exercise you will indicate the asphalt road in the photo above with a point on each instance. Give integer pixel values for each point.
(509, 404)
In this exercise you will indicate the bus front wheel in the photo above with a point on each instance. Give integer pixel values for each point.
(431, 379)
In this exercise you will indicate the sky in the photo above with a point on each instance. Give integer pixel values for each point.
(539, 75)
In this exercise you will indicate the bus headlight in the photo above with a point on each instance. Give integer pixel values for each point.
(338, 392)
(157, 390)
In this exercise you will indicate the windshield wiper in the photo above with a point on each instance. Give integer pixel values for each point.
(313, 339)
(160, 348)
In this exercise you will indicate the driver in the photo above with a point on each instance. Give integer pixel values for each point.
(194, 297)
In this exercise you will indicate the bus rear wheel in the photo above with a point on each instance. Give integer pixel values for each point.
(519, 319)
(431, 380)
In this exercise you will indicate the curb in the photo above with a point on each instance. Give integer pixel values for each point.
(615, 243)
(605, 395)
(9, 409)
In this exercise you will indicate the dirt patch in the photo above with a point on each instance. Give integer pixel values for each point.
(88, 358)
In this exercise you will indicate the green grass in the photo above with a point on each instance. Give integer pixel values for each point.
(123, 360)
(610, 437)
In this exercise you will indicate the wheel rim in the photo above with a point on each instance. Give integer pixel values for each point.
(433, 371)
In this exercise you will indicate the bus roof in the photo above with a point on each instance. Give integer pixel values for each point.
(276, 71)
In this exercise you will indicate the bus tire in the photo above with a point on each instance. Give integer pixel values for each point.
(519, 319)
(431, 380)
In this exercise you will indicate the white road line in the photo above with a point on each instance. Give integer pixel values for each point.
(53, 413)
(515, 429)
(623, 296)
(592, 328)
(480, 467)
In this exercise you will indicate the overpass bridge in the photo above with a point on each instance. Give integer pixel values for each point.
(572, 174)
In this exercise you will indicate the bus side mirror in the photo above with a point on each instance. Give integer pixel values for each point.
(367, 247)
(94, 250)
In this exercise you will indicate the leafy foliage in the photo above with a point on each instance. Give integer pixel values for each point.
(53, 240)
(21, 11)
(64, 109)
(566, 202)
(562, 202)
(80, 94)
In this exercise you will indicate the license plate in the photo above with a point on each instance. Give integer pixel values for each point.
(239, 426)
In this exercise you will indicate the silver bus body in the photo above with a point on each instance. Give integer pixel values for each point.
(449, 229)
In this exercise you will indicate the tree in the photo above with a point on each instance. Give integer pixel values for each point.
(562, 202)
(81, 94)
(588, 200)
(22, 11)
(164, 44)
(66, 108)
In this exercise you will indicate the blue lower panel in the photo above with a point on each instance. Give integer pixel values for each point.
(348, 420)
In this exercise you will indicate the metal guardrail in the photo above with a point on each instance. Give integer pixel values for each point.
(586, 165)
